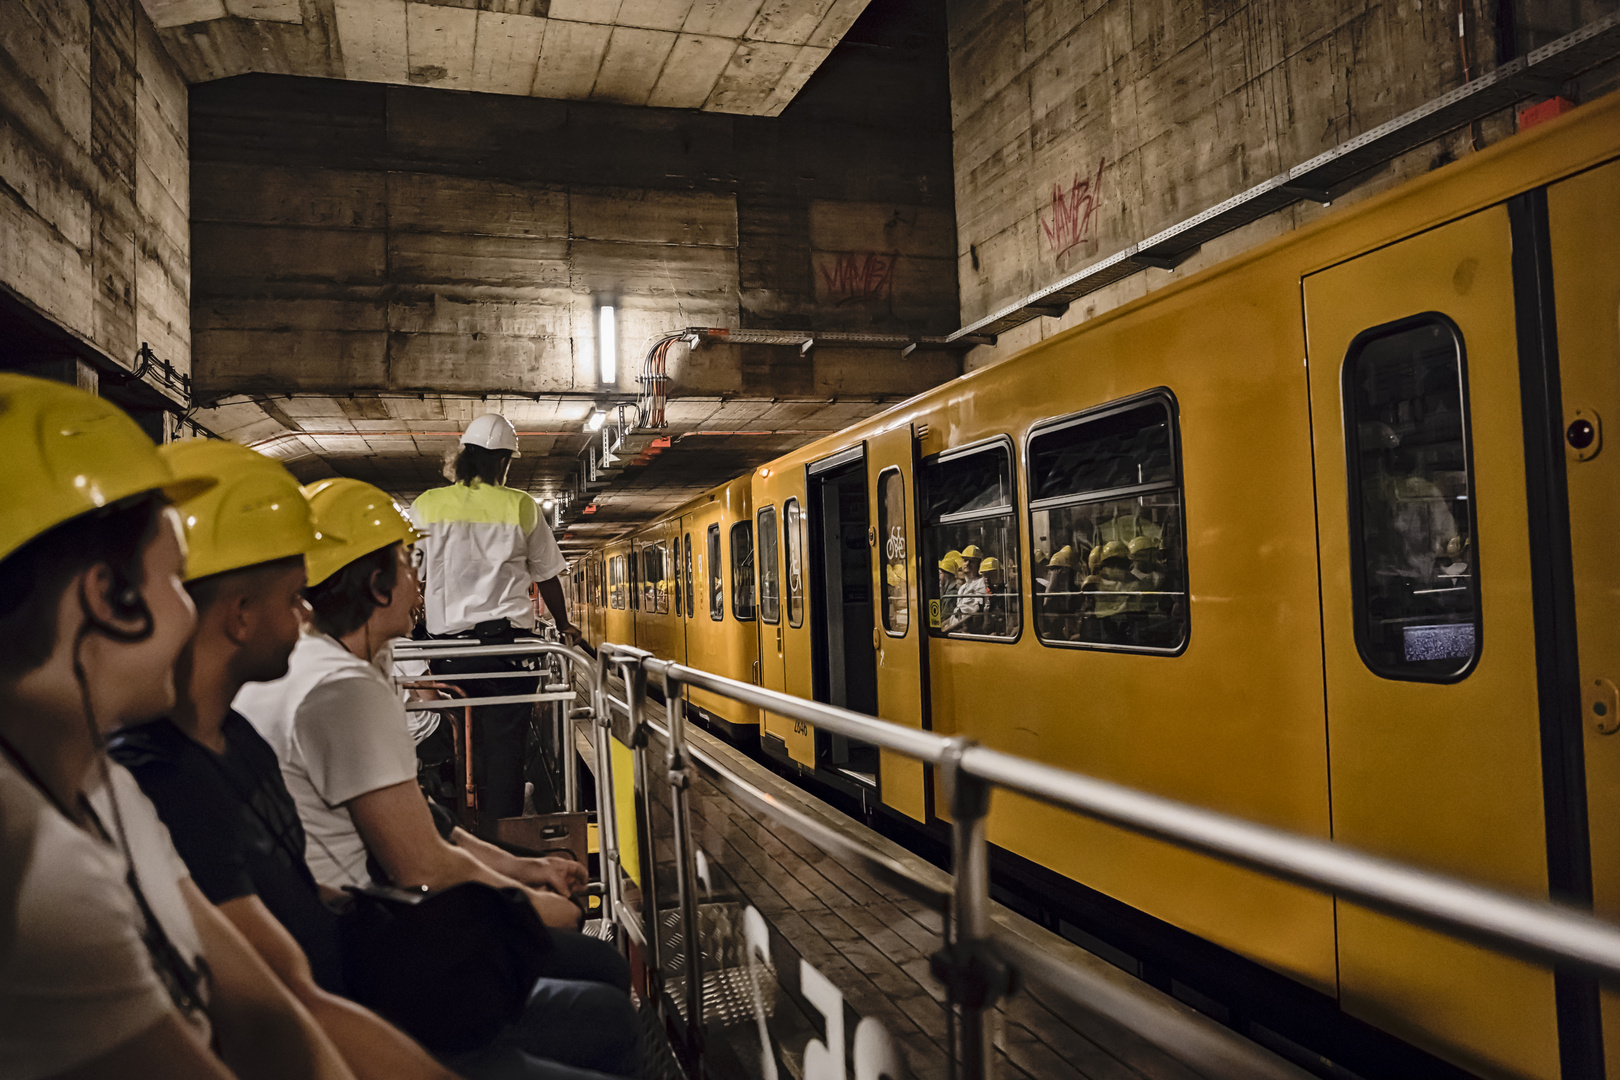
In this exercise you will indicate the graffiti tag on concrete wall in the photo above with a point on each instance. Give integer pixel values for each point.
(1072, 217)
(856, 277)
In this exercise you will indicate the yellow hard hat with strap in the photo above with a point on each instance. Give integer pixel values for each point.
(68, 453)
(363, 515)
(255, 514)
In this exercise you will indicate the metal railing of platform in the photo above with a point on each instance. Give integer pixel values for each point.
(977, 964)
(555, 690)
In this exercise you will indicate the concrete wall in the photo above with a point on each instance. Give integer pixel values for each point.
(94, 201)
(353, 237)
(1083, 126)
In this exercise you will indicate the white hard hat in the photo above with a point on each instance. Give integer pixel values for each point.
(492, 431)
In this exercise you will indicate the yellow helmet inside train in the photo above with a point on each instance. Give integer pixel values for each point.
(992, 563)
(1063, 557)
(1143, 545)
(952, 562)
(972, 552)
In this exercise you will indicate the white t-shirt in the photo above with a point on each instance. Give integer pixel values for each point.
(483, 545)
(75, 978)
(339, 730)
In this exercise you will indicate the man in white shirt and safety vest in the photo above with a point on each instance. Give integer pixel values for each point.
(484, 543)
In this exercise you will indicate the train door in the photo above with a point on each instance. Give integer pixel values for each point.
(1430, 626)
(779, 531)
(1583, 238)
(844, 656)
(897, 639)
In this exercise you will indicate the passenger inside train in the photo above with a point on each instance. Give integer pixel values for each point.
(274, 981)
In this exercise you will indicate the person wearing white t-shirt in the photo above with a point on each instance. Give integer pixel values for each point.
(112, 964)
(339, 730)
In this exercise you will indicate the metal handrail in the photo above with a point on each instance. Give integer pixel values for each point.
(1531, 929)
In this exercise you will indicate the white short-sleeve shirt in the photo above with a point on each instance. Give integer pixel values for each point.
(339, 731)
(76, 979)
(482, 546)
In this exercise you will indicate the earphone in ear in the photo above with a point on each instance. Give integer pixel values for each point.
(128, 606)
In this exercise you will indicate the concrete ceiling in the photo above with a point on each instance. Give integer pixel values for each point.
(402, 443)
(728, 56)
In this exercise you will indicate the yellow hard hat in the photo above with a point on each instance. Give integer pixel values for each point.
(363, 515)
(1063, 557)
(894, 574)
(952, 562)
(992, 563)
(1114, 549)
(68, 453)
(255, 514)
(1142, 544)
(971, 552)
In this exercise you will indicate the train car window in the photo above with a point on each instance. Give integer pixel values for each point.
(793, 534)
(717, 596)
(1412, 560)
(1106, 529)
(675, 575)
(770, 569)
(691, 597)
(649, 575)
(665, 570)
(742, 571)
(616, 581)
(632, 587)
(892, 534)
(970, 535)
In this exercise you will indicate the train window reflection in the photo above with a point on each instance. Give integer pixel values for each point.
(793, 534)
(616, 581)
(1416, 590)
(770, 569)
(1106, 529)
(742, 570)
(970, 537)
(691, 597)
(717, 595)
(892, 535)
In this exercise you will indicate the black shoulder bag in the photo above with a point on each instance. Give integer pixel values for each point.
(451, 968)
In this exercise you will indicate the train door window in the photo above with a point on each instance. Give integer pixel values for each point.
(970, 536)
(616, 581)
(892, 534)
(770, 569)
(717, 595)
(742, 570)
(1106, 528)
(672, 566)
(666, 570)
(1412, 560)
(793, 535)
(691, 597)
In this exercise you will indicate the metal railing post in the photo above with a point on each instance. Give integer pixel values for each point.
(680, 779)
(974, 976)
(607, 822)
(635, 688)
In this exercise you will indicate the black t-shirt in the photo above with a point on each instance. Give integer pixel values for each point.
(236, 827)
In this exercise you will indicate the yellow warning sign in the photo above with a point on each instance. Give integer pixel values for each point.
(933, 613)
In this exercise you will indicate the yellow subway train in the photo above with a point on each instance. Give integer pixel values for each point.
(1321, 537)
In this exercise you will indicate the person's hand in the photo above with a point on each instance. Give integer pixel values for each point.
(562, 876)
(572, 634)
(556, 911)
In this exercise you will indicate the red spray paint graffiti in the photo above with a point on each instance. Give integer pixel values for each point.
(1073, 211)
(856, 277)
